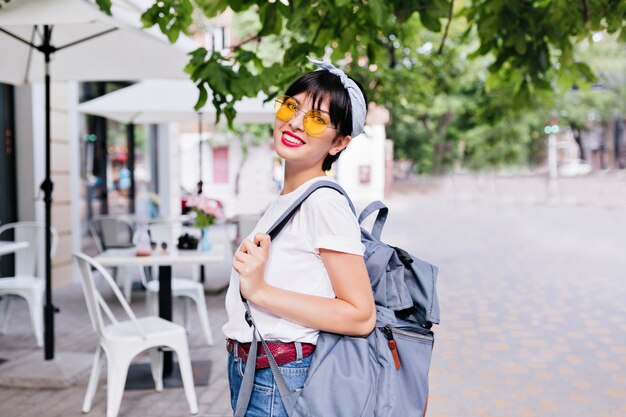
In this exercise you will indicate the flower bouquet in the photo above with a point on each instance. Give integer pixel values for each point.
(207, 210)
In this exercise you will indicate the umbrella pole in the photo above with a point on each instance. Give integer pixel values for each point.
(200, 153)
(46, 187)
(47, 49)
(130, 142)
(202, 277)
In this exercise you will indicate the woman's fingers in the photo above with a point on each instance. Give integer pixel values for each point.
(264, 241)
(248, 247)
(261, 250)
(242, 256)
(244, 261)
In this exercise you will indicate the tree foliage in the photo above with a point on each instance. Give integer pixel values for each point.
(456, 74)
(529, 44)
(467, 80)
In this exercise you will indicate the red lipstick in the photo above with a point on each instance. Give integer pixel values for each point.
(291, 140)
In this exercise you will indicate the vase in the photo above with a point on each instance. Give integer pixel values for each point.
(205, 241)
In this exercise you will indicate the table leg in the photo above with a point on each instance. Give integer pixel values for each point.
(165, 310)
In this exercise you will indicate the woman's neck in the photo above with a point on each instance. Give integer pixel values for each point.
(295, 177)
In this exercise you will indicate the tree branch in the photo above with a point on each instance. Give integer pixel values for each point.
(585, 11)
(392, 56)
(317, 32)
(445, 33)
(256, 37)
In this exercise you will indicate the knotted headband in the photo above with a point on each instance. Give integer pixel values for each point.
(359, 110)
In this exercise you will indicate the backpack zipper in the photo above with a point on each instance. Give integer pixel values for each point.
(392, 345)
(412, 335)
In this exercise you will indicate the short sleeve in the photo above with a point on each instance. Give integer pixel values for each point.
(333, 225)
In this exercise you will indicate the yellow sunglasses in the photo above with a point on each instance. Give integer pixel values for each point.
(315, 122)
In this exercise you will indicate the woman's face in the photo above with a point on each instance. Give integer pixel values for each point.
(298, 147)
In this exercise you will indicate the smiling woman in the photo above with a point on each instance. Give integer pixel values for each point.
(312, 276)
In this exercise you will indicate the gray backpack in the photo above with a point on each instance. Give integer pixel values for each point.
(382, 375)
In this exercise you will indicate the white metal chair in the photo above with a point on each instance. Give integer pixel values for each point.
(182, 288)
(26, 282)
(121, 341)
(110, 232)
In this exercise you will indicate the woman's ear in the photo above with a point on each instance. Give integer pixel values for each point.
(340, 144)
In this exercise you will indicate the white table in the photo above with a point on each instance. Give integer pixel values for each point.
(127, 257)
(10, 246)
(165, 261)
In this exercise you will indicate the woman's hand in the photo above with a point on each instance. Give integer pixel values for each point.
(250, 260)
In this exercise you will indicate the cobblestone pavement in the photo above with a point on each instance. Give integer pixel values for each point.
(532, 298)
(532, 295)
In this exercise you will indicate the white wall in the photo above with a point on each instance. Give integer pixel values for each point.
(29, 124)
(256, 186)
(30, 133)
(73, 95)
(367, 149)
(168, 166)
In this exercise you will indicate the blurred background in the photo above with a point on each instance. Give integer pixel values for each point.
(496, 134)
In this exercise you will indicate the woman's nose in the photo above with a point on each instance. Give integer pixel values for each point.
(297, 122)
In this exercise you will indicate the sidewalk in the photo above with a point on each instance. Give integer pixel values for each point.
(74, 335)
(601, 189)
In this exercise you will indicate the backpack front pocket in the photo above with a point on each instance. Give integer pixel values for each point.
(404, 355)
(341, 380)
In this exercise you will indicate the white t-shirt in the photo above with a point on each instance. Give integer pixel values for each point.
(324, 220)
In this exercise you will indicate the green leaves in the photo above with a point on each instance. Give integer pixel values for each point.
(203, 95)
(104, 5)
(430, 22)
(378, 11)
(270, 19)
(212, 8)
(502, 58)
(172, 17)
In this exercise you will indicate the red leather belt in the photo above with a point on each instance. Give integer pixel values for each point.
(282, 352)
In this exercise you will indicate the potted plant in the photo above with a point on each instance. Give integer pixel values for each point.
(207, 211)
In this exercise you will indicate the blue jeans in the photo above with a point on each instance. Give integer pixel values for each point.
(265, 400)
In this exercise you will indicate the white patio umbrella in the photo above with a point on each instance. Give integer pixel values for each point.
(163, 101)
(74, 40)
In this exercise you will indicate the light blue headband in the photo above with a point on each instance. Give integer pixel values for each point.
(356, 97)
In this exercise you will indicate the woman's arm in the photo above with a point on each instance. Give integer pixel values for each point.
(352, 312)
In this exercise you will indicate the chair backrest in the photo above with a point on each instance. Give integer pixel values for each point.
(95, 303)
(33, 233)
(109, 231)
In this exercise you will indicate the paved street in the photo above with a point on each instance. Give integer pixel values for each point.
(532, 297)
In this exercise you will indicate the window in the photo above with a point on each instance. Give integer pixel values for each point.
(220, 165)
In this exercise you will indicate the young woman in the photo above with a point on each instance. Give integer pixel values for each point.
(312, 277)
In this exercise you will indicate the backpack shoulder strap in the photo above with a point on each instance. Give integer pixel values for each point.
(282, 221)
(288, 214)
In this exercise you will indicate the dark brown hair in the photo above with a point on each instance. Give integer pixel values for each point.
(319, 85)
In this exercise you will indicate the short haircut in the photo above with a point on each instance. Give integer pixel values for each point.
(322, 84)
